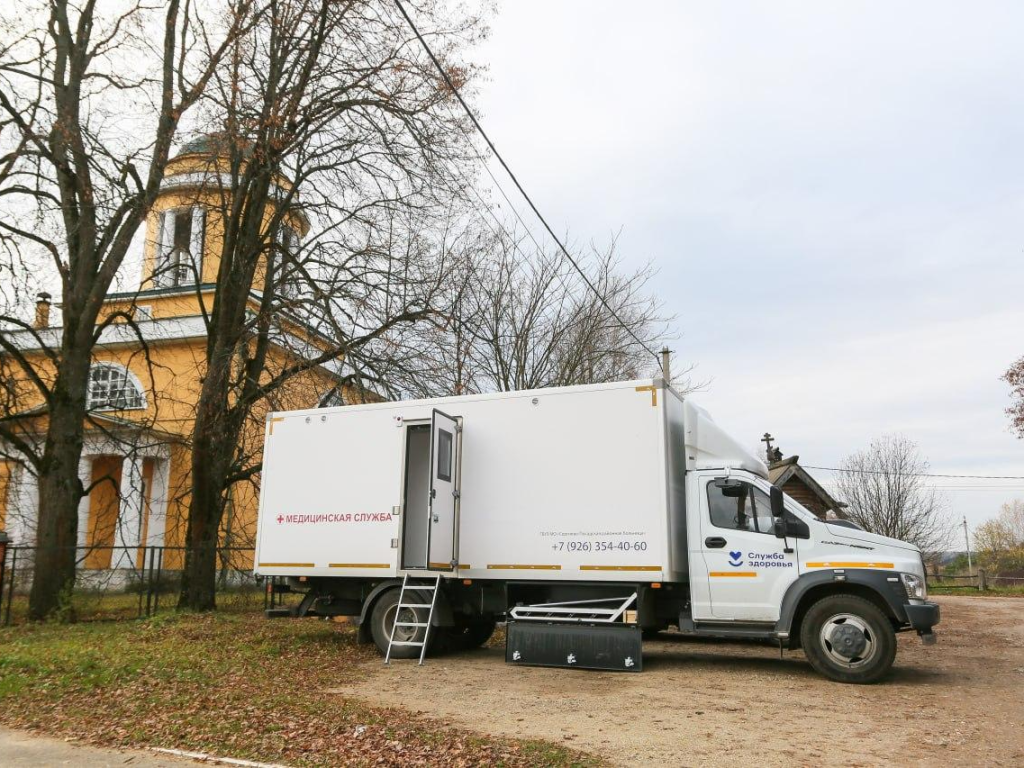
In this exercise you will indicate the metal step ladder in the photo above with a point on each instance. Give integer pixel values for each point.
(415, 584)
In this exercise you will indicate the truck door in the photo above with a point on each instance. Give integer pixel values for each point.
(444, 492)
(748, 570)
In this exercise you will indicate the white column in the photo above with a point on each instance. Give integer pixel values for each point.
(129, 520)
(85, 475)
(195, 245)
(158, 503)
(23, 513)
(161, 264)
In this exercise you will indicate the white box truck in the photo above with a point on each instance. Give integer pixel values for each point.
(583, 516)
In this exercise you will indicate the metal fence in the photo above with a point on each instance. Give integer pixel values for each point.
(119, 583)
(981, 580)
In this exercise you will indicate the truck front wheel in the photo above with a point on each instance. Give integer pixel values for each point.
(382, 618)
(848, 639)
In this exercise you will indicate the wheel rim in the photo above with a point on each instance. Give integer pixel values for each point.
(402, 634)
(848, 640)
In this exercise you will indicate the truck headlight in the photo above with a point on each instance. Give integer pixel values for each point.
(915, 586)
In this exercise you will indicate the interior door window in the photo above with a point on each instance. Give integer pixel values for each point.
(739, 506)
(444, 455)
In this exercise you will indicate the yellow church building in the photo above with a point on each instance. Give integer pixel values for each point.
(142, 397)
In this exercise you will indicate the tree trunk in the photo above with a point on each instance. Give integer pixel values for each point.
(212, 447)
(198, 587)
(60, 490)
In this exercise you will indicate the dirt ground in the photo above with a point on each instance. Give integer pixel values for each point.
(698, 703)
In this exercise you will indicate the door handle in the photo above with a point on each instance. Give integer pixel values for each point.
(714, 542)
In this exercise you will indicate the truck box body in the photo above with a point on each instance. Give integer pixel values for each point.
(566, 511)
(566, 483)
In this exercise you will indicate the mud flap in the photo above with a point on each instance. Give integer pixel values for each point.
(611, 647)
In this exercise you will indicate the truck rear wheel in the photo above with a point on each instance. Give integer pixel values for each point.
(848, 639)
(382, 618)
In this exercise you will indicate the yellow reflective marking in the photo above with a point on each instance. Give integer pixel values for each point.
(844, 564)
(502, 567)
(734, 574)
(359, 565)
(620, 567)
(654, 393)
(287, 565)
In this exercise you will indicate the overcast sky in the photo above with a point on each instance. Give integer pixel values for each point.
(833, 194)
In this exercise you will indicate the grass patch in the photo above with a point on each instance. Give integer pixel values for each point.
(232, 685)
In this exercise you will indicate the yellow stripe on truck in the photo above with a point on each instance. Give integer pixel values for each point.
(287, 565)
(359, 565)
(844, 564)
(733, 574)
(503, 567)
(620, 567)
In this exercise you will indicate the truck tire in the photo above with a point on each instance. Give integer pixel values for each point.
(383, 616)
(848, 639)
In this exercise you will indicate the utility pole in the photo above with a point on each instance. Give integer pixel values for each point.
(666, 366)
(967, 541)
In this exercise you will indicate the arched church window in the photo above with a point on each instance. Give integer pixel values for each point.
(113, 387)
(180, 246)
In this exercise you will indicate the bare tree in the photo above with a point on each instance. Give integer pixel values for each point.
(1000, 541)
(330, 166)
(519, 318)
(1014, 376)
(90, 100)
(887, 494)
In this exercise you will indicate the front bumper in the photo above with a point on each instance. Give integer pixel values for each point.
(922, 617)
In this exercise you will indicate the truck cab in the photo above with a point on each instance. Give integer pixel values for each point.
(761, 562)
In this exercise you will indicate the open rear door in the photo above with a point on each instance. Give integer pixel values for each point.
(444, 491)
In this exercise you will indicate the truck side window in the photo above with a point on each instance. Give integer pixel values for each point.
(741, 507)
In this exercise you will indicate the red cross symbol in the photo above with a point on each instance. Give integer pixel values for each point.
(280, 519)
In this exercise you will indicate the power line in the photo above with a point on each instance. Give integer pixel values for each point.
(486, 138)
(915, 474)
(986, 488)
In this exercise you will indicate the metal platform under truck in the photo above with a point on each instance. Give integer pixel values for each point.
(583, 634)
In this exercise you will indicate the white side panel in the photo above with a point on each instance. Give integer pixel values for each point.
(330, 481)
(570, 487)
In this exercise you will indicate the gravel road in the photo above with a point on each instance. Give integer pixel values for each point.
(699, 703)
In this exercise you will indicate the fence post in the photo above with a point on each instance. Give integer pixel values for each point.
(159, 571)
(10, 584)
(148, 557)
(4, 541)
(142, 582)
(982, 581)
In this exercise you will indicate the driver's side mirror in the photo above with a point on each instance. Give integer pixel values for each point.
(776, 498)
